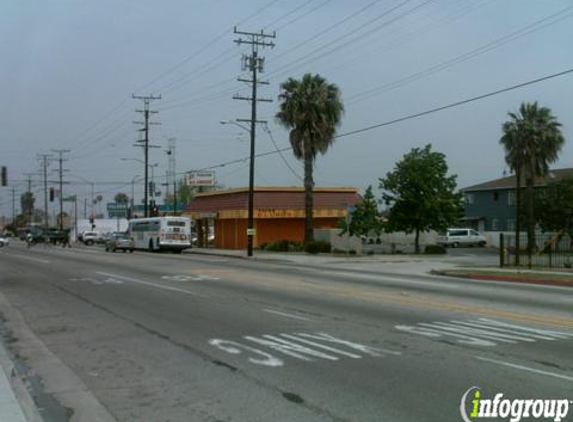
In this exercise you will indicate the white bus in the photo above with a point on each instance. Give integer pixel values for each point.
(161, 233)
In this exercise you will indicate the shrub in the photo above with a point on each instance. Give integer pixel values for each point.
(434, 250)
(317, 246)
(283, 246)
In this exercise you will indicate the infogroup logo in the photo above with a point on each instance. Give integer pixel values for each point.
(513, 409)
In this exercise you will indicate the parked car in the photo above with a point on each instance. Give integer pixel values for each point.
(89, 238)
(119, 242)
(461, 237)
(4, 240)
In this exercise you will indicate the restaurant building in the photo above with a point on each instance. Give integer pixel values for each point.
(279, 213)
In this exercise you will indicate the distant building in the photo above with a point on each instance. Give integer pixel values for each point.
(490, 206)
(279, 213)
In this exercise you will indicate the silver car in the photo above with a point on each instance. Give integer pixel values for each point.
(119, 242)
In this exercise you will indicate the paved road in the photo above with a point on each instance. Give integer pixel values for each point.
(158, 337)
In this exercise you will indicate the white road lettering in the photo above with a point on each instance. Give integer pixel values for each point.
(299, 346)
(235, 348)
(288, 348)
(483, 332)
(549, 333)
(321, 346)
(472, 332)
(369, 350)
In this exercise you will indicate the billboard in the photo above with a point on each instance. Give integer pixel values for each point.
(200, 178)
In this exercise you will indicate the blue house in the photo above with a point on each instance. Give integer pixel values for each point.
(490, 206)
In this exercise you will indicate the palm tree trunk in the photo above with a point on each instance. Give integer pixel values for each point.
(417, 241)
(517, 212)
(308, 186)
(530, 215)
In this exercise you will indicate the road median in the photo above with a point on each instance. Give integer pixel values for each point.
(511, 275)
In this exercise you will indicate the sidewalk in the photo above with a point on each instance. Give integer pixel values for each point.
(478, 268)
(10, 410)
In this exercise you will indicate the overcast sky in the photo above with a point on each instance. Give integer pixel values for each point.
(69, 68)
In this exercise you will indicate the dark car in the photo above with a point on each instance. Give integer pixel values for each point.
(119, 242)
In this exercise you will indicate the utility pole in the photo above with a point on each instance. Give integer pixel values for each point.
(61, 160)
(44, 162)
(144, 143)
(13, 206)
(29, 175)
(255, 64)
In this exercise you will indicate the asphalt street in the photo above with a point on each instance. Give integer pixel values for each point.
(162, 337)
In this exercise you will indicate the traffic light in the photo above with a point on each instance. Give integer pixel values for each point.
(151, 186)
(4, 176)
(52, 193)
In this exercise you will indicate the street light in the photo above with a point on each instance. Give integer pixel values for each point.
(145, 188)
(133, 193)
(250, 221)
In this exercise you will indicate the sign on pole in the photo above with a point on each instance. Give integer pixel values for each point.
(200, 178)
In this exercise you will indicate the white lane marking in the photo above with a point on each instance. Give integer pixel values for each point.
(286, 315)
(189, 277)
(146, 283)
(43, 261)
(293, 345)
(525, 368)
(484, 332)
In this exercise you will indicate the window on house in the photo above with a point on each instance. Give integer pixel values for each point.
(469, 198)
(511, 198)
(494, 224)
(495, 196)
(511, 224)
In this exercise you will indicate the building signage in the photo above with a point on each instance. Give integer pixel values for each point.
(274, 213)
(200, 178)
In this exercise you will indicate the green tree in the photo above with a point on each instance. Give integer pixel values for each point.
(311, 109)
(121, 198)
(365, 219)
(532, 140)
(554, 206)
(421, 195)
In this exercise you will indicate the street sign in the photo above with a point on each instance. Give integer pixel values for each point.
(116, 210)
(251, 232)
(200, 178)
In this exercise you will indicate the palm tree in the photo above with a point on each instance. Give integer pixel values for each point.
(532, 140)
(311, 109)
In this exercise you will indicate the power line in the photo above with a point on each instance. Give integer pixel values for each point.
(528, 29)
(408, 117)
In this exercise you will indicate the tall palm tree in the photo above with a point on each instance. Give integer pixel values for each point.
(311, 109)
(532, 140)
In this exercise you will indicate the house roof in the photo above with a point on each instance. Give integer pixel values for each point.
(273, 198)
(510, 182)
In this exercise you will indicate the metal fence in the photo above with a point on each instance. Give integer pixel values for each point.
(554, 250)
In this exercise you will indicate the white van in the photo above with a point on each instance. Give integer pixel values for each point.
(461, 237)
